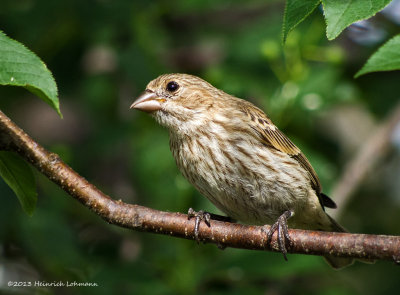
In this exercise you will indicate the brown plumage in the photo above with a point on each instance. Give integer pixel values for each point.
(236, 157)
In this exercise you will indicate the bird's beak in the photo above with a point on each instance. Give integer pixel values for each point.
(148, 102)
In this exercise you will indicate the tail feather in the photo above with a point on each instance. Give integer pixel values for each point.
(338, 262)
(341, 262)
(336, 227)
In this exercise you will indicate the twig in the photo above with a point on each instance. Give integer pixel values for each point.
(365, 159)
(176, 224)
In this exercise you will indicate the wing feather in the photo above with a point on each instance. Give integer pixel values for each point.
(275, 138)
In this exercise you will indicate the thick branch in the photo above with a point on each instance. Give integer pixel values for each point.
(177, 224)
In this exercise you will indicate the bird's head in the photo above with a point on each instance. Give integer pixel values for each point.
(177, 100)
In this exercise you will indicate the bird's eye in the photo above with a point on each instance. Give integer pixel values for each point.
(172, 86)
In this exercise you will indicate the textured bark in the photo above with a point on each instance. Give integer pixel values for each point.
(224, 234)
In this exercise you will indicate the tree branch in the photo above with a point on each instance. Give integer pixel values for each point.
(369, 154)
(224, 234)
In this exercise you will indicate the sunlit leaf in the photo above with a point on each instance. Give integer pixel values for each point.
(339, 14)
(295, 12)
(386, 58)
(21, 67)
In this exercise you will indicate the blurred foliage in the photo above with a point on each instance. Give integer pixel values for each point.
(102, 54)
(19, 177)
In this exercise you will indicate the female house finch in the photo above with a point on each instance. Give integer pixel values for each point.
(235, 156)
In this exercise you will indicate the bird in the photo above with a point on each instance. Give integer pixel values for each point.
(234, 155)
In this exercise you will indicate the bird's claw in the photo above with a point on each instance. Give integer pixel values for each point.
(281, 227)
(199, 216)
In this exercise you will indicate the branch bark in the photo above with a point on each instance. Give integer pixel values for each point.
(224, 234)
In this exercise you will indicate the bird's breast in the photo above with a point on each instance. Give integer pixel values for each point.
(243, 178)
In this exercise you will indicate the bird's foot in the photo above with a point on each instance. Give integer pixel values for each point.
(206, 216)
(199, 216)
(281, 227)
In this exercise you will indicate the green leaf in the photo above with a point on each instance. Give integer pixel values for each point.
(339, 14)
(386, 58)
(295, 12)
(21, 67)
(19, 177)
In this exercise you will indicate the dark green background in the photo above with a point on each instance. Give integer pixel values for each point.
(102, 54)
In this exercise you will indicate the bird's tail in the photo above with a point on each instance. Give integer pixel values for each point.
(336, 227)
(340, 262)
(337, 262)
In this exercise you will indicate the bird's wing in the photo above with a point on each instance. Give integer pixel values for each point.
(273, 137)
